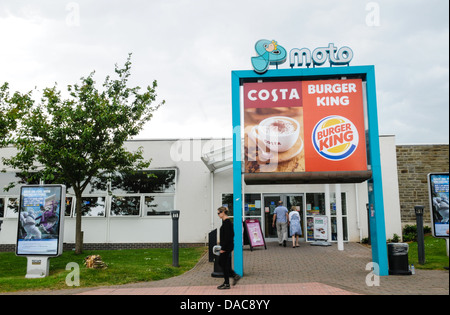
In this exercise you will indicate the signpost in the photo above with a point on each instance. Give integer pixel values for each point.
(325, 118)
(41, 226)
(438, 185)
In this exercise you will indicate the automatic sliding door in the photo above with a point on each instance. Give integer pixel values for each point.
(270, 203)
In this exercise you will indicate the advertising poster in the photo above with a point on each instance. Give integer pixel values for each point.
(304, 126)
(254, 233)
(320, 227)
(40, 220)
(439, 207)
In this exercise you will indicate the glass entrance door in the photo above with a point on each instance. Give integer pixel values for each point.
(271, 202)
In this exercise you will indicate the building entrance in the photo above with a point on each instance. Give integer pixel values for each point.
(289, 201)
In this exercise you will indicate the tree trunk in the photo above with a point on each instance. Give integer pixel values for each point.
(78, 232)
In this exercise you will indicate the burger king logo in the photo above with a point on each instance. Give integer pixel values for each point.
(335, 138)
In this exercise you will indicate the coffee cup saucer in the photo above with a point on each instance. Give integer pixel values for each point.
(252, 152)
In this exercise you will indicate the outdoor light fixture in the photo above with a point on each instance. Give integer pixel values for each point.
(420, 234)
(419, 210)
(175, 214)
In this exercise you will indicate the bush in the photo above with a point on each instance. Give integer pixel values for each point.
(410, 232)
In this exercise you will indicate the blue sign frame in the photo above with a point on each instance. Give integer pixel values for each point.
(376, 204)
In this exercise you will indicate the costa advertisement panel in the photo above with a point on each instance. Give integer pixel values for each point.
(41, 215)
(304, 126)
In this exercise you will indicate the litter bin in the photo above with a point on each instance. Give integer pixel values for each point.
(398, 259)
(212, 241)
(218, 272)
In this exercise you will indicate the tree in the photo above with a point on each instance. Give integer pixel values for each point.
(73, 140)
(11, 109)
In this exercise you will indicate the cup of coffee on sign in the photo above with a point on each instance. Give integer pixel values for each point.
(278, 133)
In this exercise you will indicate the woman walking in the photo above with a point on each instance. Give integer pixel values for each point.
(295, 227)
(227, 246)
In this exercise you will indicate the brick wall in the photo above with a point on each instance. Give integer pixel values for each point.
(414, 162)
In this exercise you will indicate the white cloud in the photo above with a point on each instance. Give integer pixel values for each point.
(191, 47)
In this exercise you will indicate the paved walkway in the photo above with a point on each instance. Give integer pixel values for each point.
(288, 271)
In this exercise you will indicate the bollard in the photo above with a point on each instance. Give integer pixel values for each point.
(175, 214)
(420, 234)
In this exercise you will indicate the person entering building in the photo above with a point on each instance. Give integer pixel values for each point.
(281, 218)
(295, 227)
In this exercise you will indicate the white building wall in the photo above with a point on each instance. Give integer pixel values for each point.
(194, 191)
(391, 193)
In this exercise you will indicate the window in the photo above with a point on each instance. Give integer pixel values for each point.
(12, 208)
(227, 201)
(315, 205)
(125, 205)
(144, 182)
(252, 205)
(2, 207)
(151, 190)
(93, 206)
(69, 202)
(334, 218)
(146, 193)
(158, 205)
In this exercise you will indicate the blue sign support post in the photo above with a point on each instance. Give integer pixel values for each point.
(377, 220)
(237, 177)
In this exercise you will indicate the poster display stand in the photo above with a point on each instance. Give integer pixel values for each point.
(320, 231)
(40, 226)
(438, 187)
(253, 235)
(37, 267)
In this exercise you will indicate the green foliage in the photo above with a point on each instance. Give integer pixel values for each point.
(124, 266)
(410, 232)
(11, 109)
(435, 254)
(394, 239)
(72, 140)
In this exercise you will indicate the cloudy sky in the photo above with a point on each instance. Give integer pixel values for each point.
(191, 46)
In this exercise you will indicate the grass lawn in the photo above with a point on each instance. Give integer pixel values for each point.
(435, 254)
(124, 266)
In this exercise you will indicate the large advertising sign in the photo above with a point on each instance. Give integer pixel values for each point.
(41, 215)
(304, 126)
(438, 191)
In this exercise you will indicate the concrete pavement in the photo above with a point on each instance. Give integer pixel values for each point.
(294, 271)
(306, 270)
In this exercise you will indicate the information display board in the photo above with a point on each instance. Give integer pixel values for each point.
(439, 205)
(320, 227)
(253, 235)
(41, 220)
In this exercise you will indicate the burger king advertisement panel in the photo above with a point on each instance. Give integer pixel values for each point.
(334, 124)
(304, 126)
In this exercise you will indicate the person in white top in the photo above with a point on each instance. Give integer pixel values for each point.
(295, 227)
